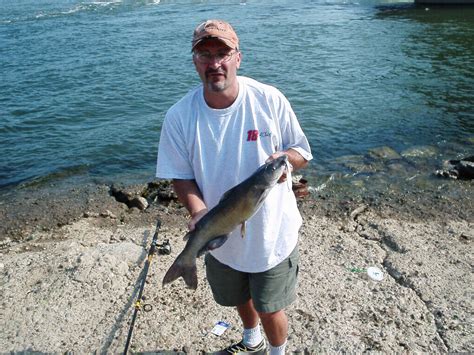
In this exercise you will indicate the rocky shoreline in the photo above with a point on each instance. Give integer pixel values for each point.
(72, 260)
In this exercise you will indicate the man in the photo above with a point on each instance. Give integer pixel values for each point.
(211, 140)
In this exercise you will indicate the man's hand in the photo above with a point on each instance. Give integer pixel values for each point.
(195, 218)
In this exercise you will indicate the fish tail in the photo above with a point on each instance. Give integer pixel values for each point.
(180, 269)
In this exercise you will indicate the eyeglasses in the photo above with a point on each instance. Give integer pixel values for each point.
(206, 57)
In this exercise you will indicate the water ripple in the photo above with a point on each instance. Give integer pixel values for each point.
(87, 83)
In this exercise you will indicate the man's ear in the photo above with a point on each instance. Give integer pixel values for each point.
(239, 59)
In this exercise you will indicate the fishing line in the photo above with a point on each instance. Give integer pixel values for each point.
(289, 179)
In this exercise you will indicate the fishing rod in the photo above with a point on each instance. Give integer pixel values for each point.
(162, 249)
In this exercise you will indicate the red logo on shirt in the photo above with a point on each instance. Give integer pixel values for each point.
(253, 134)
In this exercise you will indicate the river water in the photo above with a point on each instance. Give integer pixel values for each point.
(384, 90)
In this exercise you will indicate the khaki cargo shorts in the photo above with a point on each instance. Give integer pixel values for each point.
(271, 290)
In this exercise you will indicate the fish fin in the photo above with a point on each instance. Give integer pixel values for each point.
(243, 229)
(213, 244)
(225, 195)
(179, 269)
(262, 198)
(228, 193)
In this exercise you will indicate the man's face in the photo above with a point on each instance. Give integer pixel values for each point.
(216, 65)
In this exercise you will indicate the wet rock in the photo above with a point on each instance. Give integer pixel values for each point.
(44, 208)
(420, 152)
(385, 153)
(458, 169)
(357, 164)
(397, 168)
(300, 186)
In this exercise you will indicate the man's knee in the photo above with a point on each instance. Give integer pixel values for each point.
(271, 315)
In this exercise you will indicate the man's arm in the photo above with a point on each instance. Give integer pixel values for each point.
(296, 159)
(190, 196)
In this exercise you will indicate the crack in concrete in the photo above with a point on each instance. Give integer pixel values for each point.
(390, 242)
(391, 246)
(404, 282)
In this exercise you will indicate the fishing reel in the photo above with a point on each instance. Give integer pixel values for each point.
(164, 248)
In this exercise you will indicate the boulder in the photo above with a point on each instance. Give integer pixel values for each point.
(458, 169)
(385, 153)
(131, 196)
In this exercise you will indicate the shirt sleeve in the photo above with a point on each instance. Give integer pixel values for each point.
(173, 158)
(292, 135)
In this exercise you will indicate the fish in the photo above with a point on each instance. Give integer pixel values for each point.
(235, 207)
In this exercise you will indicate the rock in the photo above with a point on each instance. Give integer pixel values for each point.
(108, 214)
(397, 168)
(131, 196)
(300, 186)
(161, 190)
(138, 195)
(356, 163)
(445, 174)
(5, 243)
(466, 238)
(120, 194)
(361, 209)
(139, 202)
(385, 153)
(420, 152)
(458, 169)
(465, 169)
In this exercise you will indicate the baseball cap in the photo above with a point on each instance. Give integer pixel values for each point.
(218, 29)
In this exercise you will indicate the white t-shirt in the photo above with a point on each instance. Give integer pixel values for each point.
(219, 148)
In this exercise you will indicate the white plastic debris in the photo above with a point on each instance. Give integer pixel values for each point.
(375, 273)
